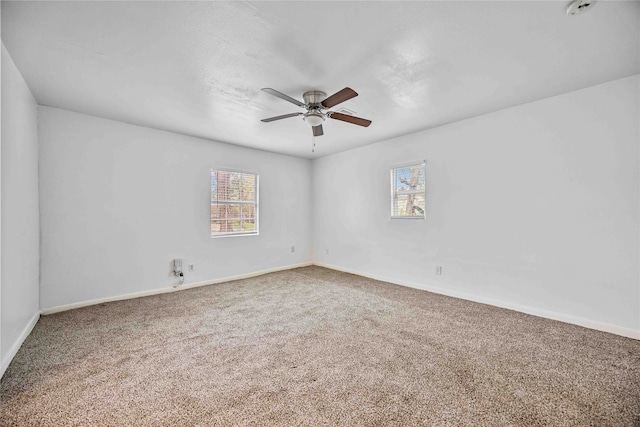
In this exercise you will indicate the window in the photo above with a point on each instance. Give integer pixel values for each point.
(408, 191)
(234, 203)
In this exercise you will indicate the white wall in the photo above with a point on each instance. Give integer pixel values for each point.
(119, 202)
(534, 207)
(19, 217)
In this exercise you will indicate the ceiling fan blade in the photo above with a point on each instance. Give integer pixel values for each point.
(317, 130)
(338, 97)
(284, 116)
(350, 119)
(282, 96)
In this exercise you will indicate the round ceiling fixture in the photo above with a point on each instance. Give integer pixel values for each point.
(577, 7)
(314, 118)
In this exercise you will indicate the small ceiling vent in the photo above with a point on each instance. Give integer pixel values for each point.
(347, 111)
(577, 7)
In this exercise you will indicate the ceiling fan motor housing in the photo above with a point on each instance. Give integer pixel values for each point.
(314, 97)
(314, 115)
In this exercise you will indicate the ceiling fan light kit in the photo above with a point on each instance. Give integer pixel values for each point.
(314, 118)
(317, 105)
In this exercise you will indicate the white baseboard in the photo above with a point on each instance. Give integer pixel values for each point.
(16, 346)
(574, 320)
(59, 308)
(566, 318)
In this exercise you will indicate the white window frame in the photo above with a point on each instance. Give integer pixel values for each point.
(241, 203)
(394, 190)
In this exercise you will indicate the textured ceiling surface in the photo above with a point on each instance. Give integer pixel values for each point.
(197, 67)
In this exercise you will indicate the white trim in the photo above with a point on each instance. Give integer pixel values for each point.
(233, 170)
(16, 346)
(236, 234)
(408, 163)
(57, 309)
(566, 318)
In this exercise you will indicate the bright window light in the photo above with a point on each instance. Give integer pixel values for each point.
(408, 191)
(234, 203)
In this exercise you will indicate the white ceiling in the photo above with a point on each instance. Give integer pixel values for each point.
(197, 67)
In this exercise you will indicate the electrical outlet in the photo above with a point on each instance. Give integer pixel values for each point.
(438, 270)
(327, 251)
(192, 267)
(293, 249)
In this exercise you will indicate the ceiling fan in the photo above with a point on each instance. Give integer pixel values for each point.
(317, 105)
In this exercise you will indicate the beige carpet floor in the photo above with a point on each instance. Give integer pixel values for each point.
(316, 347)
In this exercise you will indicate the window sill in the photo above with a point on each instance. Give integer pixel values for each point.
(235, 235)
